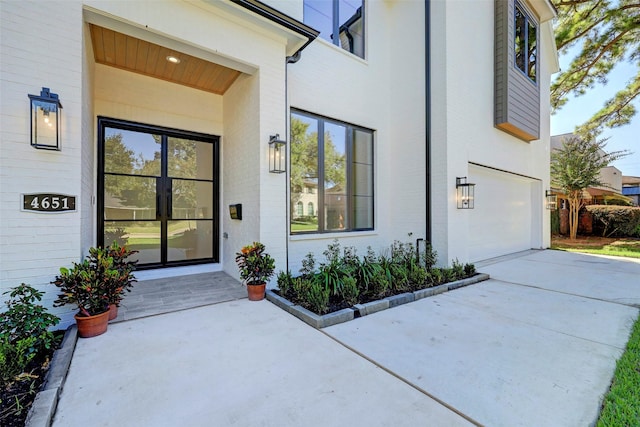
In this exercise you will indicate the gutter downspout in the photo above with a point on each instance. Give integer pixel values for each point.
(427, 75)
(289, 60)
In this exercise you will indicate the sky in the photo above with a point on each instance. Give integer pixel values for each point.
(578, 110)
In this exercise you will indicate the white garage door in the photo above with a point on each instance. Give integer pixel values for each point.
(506, 217)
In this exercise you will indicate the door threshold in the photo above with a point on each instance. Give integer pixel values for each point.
(159, 273)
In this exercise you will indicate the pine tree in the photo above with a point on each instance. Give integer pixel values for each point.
(609, 33)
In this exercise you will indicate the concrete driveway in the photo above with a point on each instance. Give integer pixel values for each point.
(536, 345)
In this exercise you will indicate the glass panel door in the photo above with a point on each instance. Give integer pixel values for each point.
(158, 193)
(190, 219)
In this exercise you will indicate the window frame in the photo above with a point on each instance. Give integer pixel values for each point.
(349, 172)
(336, 26)
(528, 20)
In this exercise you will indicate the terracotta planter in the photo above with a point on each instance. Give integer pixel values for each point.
(93, 325)
(256, 291)
(113, 311)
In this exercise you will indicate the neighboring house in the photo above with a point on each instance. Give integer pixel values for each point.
(631, 188)
(168, 108)
(610, 176)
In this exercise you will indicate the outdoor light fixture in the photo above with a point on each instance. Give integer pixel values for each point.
(45, 120)
(277, 154)
(464, 193)
(552, 200)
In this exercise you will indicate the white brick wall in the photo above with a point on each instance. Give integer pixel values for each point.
(463, 132)
(384, 92)
(35, 245)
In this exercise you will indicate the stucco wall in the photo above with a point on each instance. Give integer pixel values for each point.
(612, 177)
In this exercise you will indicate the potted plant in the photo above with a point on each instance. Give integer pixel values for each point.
(256, 267)
(83, 286)
(119, 281)
(99, 281)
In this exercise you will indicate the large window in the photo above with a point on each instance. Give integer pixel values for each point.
(340, 22)
(336, 159)
(526, 45)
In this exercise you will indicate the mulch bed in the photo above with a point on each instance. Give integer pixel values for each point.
(588, 241)
(17, 397)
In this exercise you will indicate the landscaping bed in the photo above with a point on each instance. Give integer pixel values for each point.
(345, 286)
(358, 310)
(26, 349)
(17, 395)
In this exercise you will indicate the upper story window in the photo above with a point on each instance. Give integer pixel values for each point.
(335, 158)
(526, 43)
(340, 22)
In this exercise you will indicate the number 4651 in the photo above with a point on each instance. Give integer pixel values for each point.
(50, 203)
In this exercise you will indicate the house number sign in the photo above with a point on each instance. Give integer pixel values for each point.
(48, 202)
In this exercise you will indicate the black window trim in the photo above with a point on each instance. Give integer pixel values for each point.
(528, 18)
(336, 27)
(349, 185)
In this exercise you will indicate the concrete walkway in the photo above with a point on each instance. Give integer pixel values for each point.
(536, 345)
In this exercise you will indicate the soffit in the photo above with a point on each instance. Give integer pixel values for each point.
(544, 9)
(143, 57)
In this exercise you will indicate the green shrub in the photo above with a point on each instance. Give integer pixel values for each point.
(15, 357)
(469, 270)
(285, 283)
(399, 277)
(26, 320)
(332, 253)
(417, 276)
(555, 221)
(380, 285)
(615, 220)
(449, 275)
(300, 286)
(402, 253)
(364, 271)
(330, 276)
(428, 257)
(350, 291)
(617, 200)
(345, 279)
(308, 265)
(436, 276)
(457, 270)
(315, 298)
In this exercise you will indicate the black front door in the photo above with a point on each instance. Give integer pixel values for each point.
(158, 192)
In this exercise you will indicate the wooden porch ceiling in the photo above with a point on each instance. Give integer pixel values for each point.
(142, 57)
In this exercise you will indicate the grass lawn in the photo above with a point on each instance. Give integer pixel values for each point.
(621, 406)
(627, 247)
(303, 226)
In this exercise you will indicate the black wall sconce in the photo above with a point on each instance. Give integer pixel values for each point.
(45, 120)
(277, 154)
(464, 193)
(552, 200)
